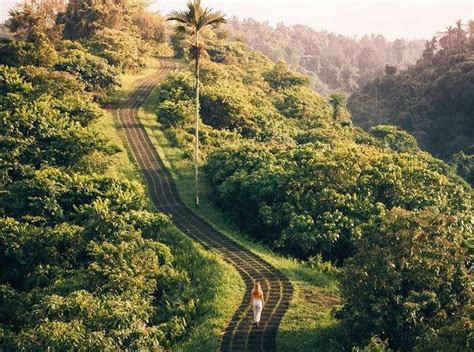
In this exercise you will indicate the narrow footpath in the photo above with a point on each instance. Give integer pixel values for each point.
(240, 334)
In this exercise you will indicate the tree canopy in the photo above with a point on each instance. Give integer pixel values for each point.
(433, 100)
(333, 61)
(394, 218)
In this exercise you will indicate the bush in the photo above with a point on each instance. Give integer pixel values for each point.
(51, 196)
(91, 70)
(374, 345)
(68, 94)
(97, 76)
(34, 132)
(280, 76)
(302, 103)
(18, 53)
(394, 138)
(121, 49)
(315, 198)
(464, 165)
(407, 279)
(172, 113)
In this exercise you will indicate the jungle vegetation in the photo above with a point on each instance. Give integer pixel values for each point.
(432, 100)
(85, 264)
(318, 186)
(333, 61)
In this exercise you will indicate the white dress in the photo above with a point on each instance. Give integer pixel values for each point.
(257, 306)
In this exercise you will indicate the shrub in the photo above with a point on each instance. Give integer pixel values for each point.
(280, 76)
(97, 76)
(315, 198)
(121, 49)
(407, 279)
(394, 138)
(172, 113)
(302, 103)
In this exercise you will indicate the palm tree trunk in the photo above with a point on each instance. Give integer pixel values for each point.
(196, 137)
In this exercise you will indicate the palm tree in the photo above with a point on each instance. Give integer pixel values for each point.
(192, 21)
(337, 101)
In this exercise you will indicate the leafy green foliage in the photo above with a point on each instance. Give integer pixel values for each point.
(151, 25)
(78, 278)
(176, 107)
(301, 103)
(82, 19)
(280, 76)
(94, 72)
(339, 109)
(34, 21)
(316, 186)
(228, 101)
(14, 53)
(394, 138)
(315, 198)
(309, 178)
(408, 283)
(123, 50)
(37, 129)
(84, 265)
(464, 165)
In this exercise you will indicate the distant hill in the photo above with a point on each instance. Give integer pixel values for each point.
(334, 61)
(433, 100)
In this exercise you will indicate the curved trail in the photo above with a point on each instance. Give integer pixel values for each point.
(240, 334)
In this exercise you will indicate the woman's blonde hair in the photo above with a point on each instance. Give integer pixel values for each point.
(257, 288)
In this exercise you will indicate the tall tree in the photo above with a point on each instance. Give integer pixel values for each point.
(192, 21)
(82, 19)
(339, 109)
(35, 20)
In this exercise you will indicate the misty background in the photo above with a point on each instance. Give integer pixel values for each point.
(409, 19)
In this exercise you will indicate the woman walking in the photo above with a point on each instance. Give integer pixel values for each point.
(257, 303)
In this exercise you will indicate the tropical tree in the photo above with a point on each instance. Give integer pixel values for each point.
(191, 22)
(337, 101)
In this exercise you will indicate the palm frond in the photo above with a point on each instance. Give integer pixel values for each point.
(179, 16)
(213, 17)
(195, 17)
(210, 17)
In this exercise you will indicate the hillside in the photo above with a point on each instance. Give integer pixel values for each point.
(334, 62)
(433, 100)
(360, 240)
(320, 189)
(86, 261)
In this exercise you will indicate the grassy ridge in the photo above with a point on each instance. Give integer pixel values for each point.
(308, 324)
(216, 284)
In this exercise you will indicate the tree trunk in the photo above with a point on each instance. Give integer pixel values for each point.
(196, 136)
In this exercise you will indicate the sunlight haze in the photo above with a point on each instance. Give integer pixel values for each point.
(408, 19)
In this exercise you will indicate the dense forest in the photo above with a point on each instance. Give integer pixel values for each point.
(433, 100)
(85, 265)
(394, 217)
(334, 62)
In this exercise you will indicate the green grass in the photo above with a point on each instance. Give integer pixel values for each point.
(308, 324)
(216, 283)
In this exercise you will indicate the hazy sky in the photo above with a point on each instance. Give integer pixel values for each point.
(393, 19)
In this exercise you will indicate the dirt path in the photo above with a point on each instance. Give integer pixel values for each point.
(239, 335)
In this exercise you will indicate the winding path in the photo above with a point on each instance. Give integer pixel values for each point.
(240, 334)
